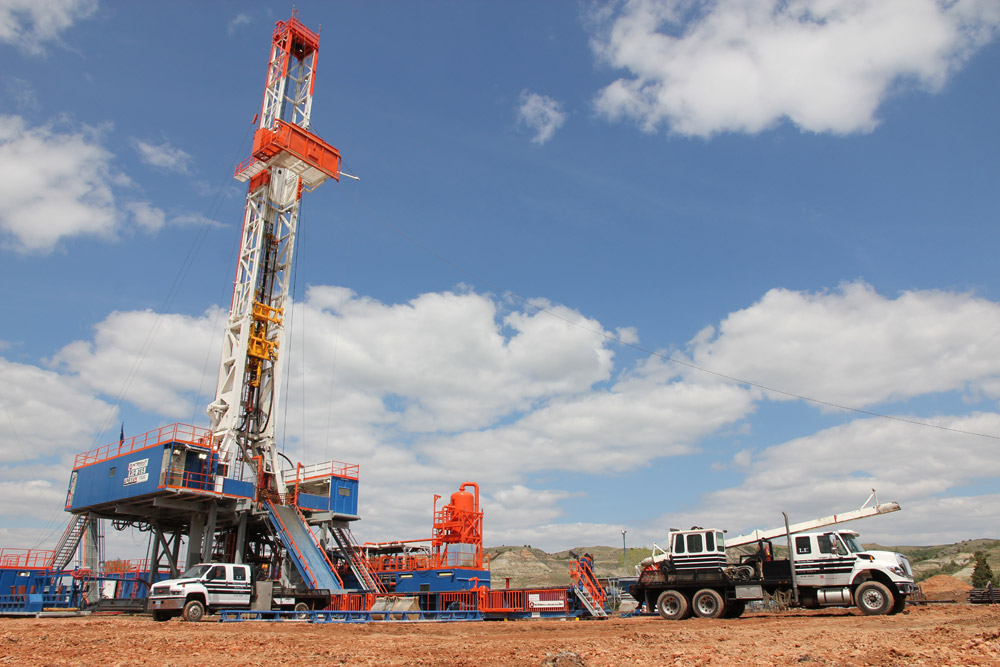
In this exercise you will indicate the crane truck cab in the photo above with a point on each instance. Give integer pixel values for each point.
(833, 569)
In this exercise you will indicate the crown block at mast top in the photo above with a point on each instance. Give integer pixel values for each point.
(283, 139)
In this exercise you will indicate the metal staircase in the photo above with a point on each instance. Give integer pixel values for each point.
(70, 540)
(359, 566)
(589, 591)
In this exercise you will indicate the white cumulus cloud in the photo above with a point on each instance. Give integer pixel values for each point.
(31, 24)
(238, 22)
(59, 182)
(541, 114)
(836, 469)
(163, 156)
(159, 360)
(54, 184)
(457, 386)
(856, 347)
(701, 68)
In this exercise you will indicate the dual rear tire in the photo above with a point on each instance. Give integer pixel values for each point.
(707, 603)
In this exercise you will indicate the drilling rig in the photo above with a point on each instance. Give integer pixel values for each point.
(223, 489)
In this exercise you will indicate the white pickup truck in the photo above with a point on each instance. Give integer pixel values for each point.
(211, 587)
(204, 588)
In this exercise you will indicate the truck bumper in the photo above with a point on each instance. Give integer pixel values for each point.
(906, 587)
(165, 604)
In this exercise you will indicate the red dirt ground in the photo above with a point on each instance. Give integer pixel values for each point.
(957, 634)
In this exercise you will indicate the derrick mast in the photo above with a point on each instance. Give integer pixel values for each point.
(286, 160)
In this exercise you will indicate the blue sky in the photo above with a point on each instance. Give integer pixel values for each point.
(555, 201)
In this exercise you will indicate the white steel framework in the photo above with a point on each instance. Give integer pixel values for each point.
(286, 159)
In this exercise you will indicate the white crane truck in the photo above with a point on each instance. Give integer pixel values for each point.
(694, 576)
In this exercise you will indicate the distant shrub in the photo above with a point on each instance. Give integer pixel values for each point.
(982, 573)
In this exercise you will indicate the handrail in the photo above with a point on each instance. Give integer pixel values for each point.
(322, 470)
(584, 578)
(192, 435)
(29, 558)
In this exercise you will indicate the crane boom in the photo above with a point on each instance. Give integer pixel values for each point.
(864, 511)
(286, 159)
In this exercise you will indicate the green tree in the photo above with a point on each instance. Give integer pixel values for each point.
(982, 573)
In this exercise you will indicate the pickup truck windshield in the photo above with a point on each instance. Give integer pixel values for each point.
(196, 572)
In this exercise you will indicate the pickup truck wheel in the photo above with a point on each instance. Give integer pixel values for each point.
(194, 611)
(873, 599)
(734, 609)
(672, 605)
(707, 603)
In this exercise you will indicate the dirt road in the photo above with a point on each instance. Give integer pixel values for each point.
(958, 634)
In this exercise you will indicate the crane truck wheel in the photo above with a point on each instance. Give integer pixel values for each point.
(873, 598)
(899, 605)
(301, 611)
(707, 603)
(194, 611)
(672, 605)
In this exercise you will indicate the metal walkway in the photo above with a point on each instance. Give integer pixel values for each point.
(301, 545)
(415, 616)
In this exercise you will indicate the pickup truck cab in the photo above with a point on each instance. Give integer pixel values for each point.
(203, 588)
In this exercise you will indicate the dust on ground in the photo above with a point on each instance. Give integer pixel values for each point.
(954, 634)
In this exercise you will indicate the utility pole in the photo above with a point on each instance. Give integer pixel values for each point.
(624, 555)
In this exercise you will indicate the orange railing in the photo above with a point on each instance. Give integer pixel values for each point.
(33, 558)
(351, 602)
(191, 435)
(186, 479)
(504, 600)
(125, 566)
(433, 561)
(583, 577)
(461, 599)
(540, 599)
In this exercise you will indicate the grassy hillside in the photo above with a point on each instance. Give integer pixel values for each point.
(954, 559)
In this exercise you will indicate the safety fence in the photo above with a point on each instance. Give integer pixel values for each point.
(26, 558)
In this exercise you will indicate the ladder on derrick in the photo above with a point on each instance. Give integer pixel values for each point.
(359, 566)
(70, 540)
